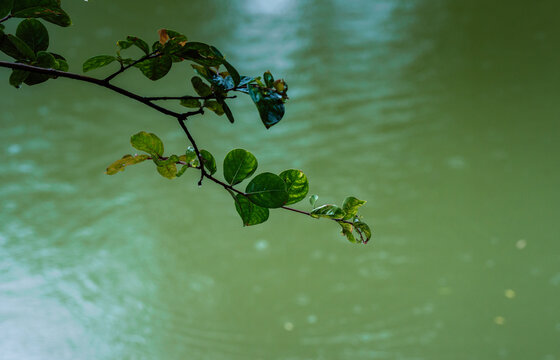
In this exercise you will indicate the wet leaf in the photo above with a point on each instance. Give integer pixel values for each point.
(267, 190)
(123, 44)
(44, 60)
(16, 48)
(126, 160)
(251, 214)
(168, 171)
(297, 185)
(347, 231)
(147, 142)
(205, 72)
(351, 206)
(328, 211)
(214, 106)
(139, 43)
(268, 79)
(269, 104)
(61, 63)
(189, 157)
(5, 7)
(209, 161)
(34, 34)
(364, 229)
(47, 10)
(239, 164)
(201, 88)
(18, 77)
(191, 103)
(156, 68)
(97, 62)
(233, 72)
(313, 200)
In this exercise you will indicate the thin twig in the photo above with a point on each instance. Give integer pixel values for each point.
(124, 68)
(155, 98)
(9, 16)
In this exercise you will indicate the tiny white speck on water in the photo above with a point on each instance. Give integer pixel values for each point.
(14, 149)
(312, 319)
(261, 245)
(521, 244)
(43, 110)
(509, 293)
(288, 326)
(499, 320)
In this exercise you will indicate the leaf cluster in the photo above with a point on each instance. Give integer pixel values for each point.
(215, 78)
(30, 43)
(264, 191)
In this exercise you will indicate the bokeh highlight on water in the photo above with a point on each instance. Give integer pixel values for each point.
(442, 114)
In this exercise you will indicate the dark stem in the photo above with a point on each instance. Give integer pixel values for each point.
(181, 119)
(9, 16)
(154, 98)
(103, 83)
(124, 68)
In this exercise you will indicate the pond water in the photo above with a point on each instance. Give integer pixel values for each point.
(442, 114)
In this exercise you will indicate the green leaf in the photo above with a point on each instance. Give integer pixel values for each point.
(347, 231)
(61, 63)
(297, 185)
(205, 72)
(250, 213)
(189, 157)
(168, 170)
(191, 103)
(34, 34)
(267, 190)
(50, 13)
(18, 77)
(200, 53)
(227, 110)
(269, 104)
(147, 142)
(233, 72)
(44, 60)
(126, 160)
(139, 43)
(214, 106)
(97, 62)
(239, 164)
(328, 211)
(16, 48)
(313, 200)
(5, 7)
(209, 161)
(156, 68)
(268, 79)
(351, 206)
(200, 87)
(26, 4)
(364, 229)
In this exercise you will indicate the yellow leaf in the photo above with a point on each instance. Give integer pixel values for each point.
(126, 160)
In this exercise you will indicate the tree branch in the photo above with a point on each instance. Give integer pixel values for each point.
(154, 98)
(124, 68)
(102, 83)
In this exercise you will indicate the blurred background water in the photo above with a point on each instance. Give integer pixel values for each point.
(442, 114)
